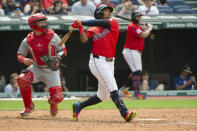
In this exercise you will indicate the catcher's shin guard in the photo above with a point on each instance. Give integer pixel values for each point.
(24, 80)
(56, 97)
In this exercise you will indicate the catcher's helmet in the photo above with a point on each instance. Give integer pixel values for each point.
(133, 16)
(35, 18)
(98, 13)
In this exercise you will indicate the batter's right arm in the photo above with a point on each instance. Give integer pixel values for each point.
(147, 32)
(83, 35)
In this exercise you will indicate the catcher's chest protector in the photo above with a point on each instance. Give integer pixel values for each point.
(39, 45)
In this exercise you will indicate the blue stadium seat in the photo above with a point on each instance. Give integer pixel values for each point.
(165, 10)
(183, 11)
(181, 6)
(115, 2)
(172, 3)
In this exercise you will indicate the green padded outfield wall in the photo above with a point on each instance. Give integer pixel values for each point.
(166, 50)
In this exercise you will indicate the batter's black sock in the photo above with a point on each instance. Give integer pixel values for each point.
(119, 103)
(136, 82)
(91, 101)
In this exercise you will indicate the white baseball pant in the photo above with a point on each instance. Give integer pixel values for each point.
(104, 72)
(133, 59)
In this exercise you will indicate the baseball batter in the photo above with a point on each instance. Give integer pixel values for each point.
(42, 41)
(132, 51)
(103, 36)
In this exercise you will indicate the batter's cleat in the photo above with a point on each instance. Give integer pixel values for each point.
(27, 110)
(53, 109)
(76, 110)
(129, 116)
(124, 90)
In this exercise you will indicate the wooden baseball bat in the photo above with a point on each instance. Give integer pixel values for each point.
(65, 38)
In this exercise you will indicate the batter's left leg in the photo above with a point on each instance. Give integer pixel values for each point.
(56, 96)
(78, 106)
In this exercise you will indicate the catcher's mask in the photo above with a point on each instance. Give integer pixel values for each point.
(134, 14)
(35, 18)
(98, 13)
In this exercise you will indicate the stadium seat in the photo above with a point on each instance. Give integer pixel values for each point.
(134, 2)
(172, 3)
(115, 2)
(182, 6)
(183, 11)
(165, 10)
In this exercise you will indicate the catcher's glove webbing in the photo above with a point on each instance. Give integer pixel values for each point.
(51, 61)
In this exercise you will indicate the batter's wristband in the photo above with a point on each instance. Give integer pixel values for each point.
(81, 30)
(20, 58)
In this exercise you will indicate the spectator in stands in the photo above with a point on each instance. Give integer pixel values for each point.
(160, 3)
(13, 85)
(95, 1)
(33, 7)
(1, 11)
(148, 8)
(149, 84)
(186, 80)
(17, 12)
(58, 8)
(124, 8)
(107, 2)
(83, 7)
(2, 82)
(9, 7)
(48, 4)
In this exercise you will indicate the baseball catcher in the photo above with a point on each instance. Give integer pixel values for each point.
(42, 44)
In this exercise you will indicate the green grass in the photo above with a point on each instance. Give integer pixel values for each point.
(131, 104)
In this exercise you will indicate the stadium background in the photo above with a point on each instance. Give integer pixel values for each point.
(166, 51)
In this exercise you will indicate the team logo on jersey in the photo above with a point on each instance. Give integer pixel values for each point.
(39, 45)
(101, 35)
(138, 31)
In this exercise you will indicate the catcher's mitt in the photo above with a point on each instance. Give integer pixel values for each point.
(51, 61)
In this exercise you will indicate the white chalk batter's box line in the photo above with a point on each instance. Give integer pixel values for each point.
(153, 119)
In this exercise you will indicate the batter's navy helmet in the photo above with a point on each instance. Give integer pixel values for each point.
(134, 14)
(35, 18)
(98, 13)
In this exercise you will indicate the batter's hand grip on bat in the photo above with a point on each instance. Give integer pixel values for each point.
(65, 38)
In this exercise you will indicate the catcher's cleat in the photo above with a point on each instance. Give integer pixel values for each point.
(27, 110)
(124, 90)
(53, 109)
(76, 110)
(129, 116)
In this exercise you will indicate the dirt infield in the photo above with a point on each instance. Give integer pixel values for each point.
(101, 120)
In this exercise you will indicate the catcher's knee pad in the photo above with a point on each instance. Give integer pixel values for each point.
(56, 95)
(25, 78)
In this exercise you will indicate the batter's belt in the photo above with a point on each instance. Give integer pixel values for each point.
(106, 58)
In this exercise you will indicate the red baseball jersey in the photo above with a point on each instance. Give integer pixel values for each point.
(104, 40)
(133, 40)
